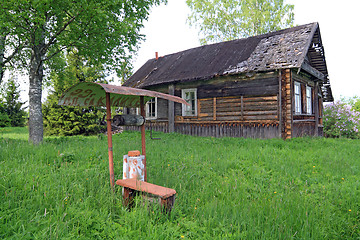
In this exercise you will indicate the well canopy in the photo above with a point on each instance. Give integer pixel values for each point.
(88, 94)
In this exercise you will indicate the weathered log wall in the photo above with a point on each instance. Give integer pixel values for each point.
(286, 96)
(247, 105)
(305, 128)
(217, 129)
(247, 109)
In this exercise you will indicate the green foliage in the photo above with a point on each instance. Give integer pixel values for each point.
(227, 188)
(67, 120)
(354, 102)
(104, 32)
(341, 120)
(222, 20)
(12, 111)
(4, 117)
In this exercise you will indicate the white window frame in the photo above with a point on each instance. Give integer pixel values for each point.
(185, 109)
(147, 106)
(297, 97)
(308, 100)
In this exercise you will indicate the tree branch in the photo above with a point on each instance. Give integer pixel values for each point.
(52, 40)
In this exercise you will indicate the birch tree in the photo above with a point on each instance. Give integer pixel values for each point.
(36, 31)
(223, 20)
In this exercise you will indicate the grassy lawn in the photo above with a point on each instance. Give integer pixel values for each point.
(228, 188)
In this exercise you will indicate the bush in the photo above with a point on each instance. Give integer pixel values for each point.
(341, 120)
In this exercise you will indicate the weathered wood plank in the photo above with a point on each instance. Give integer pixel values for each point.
(214, 110)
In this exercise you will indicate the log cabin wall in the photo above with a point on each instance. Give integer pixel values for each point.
(236, 106)
(261, 105)
(239, 109)
(215, 129)
(307, 123)
(245, 98)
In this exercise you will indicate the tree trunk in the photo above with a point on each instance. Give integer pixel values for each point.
(35, 91)
(2, 54)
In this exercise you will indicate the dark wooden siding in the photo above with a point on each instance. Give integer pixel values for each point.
(223, 129)
(305, 128)
(162, 108)
(239, 87)
(247, 109)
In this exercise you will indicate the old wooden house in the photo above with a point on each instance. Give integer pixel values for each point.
(266, 86)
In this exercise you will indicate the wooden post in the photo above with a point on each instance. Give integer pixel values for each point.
(171, 110)
(286, 104)
(143, 146)
(280, 106)
(214, 109)
(242, 107)
(290, 102)
(109, 137)
(316, 108)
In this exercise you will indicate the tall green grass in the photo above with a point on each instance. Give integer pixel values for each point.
(227, 188)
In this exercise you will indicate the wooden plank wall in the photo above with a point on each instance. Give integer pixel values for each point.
(302, 129)
(224, 129)
(245, 109)
(259, 84)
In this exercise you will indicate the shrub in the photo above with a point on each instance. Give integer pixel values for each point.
(340, 120)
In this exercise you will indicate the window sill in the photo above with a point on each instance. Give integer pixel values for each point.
(304, 114)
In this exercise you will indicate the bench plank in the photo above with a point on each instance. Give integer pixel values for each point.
(137, 185)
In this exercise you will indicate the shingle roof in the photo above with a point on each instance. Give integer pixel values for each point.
(282, 49)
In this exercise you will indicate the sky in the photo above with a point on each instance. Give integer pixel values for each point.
(168, 32)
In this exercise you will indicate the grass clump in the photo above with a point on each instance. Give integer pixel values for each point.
(228, 188)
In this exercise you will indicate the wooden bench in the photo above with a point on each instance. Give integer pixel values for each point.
(133, 186)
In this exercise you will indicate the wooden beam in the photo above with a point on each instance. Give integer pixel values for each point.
(143, 144)
(279, 105)
(214, 109)
(110, 144)
(309, 69)
(171, 110)
(316, 110)
(242, 107)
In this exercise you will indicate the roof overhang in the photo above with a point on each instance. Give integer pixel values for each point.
(88, 94)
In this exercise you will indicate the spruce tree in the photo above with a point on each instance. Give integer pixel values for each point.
(12, 110)
(68, 120)
(4, 117)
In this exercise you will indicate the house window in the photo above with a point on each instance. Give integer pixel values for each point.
(150, 109)
(308, 100)
(297, 92)
(189, 95)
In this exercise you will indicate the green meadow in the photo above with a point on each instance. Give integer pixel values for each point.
(227, 188)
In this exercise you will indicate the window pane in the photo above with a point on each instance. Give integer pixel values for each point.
(297, 97)
(189, 96)
(151, 108)
(308, 100)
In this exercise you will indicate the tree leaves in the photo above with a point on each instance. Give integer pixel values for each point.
(103, 31)
(223, 20)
